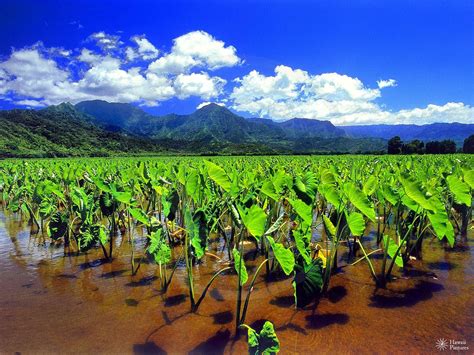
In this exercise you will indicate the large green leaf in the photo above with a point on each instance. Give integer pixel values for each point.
(139, 215)
(284, 256)
(254, 219)
(392, 247)
(218, 175)
(370, 185)
(159, 248)
(414, 191)
(331, 195)
(308, 281)
(356, 223)
(460, 190)
(58, 225)
(441, 224)
(330, 228)
(302, 241)
(240, 268)
(469, 178)
(265, 343)
(304, 211)
(359, 200)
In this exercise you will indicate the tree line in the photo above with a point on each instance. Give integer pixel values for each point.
(397, 146)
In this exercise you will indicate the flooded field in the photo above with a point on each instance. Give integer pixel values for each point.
(52, 300)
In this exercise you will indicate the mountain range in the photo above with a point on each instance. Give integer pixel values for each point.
(97, 128)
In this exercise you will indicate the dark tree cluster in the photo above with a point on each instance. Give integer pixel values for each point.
(468, 146)
(397, 146)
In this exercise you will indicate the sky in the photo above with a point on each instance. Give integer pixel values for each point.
(350, 62)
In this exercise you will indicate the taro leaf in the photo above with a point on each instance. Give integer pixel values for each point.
(139, 215)
(46, 207)
(193, 185)
(107, 204)
(460, 190)
(276, 225)
(308, 281)
(254, 219)
(239, 264)
(58, 225)
(158, 248)
(327, 177)
(469, 178)
(359, 200)
(331, 195)
(172, 202)
(305, 187)
(392, 249)
(304, 211)
(269, 343)
(370, 185)
(102, 185)
(330, 228)
(281, 180)
(356, 223)
(124, 197)
(415, 192)
(264, 343)
(252, 340)
(284, 256)
(199, 233)
(269, 189)
(408, 202)
(302, 244)
(218, 175)
(89, 236)
(390, 194)
(440, 222)
(268, 340)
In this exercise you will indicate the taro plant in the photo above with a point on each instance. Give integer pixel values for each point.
(263, 342)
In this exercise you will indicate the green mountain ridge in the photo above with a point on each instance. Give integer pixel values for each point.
(98, 128)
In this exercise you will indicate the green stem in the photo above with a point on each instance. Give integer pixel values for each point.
(247, 300)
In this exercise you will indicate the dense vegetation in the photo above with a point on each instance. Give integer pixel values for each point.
(299, 213)
(396, 146)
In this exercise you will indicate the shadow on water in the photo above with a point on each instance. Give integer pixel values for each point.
(92, 264)
(318, 321)
(175, 300)
(112, 274)
(336, 293)
(144, 281)
(214, 345)
(148, 348)
(131, 302)
(421, 292)
(223, 317)
(283, 301)
(442, 265)
(66, 276)
(216, 295)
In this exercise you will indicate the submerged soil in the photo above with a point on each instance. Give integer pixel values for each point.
(55, 301)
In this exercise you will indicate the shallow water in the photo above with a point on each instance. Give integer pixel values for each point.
(54, 301)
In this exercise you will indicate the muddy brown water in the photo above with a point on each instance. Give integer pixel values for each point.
(52, 301)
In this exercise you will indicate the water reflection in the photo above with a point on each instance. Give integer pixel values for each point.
(82, 293)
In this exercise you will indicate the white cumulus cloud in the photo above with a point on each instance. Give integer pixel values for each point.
(204, 104)
(196, 49)
(386, 83)
(38, 75)
(342, 99)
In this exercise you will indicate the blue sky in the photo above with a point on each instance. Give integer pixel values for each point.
(352, 62)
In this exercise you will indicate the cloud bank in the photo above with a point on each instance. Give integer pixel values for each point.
(134, 70)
